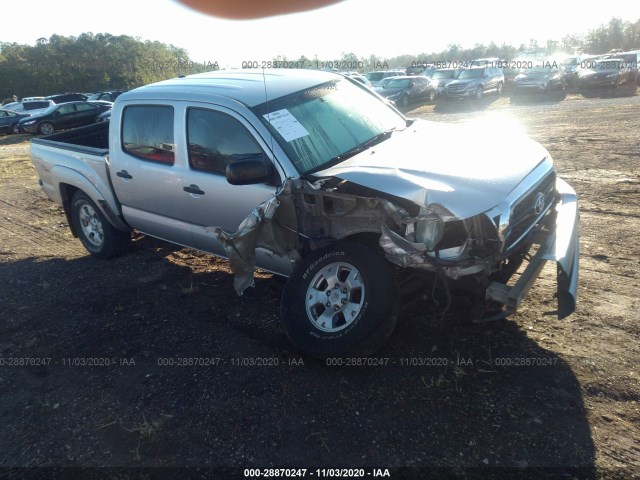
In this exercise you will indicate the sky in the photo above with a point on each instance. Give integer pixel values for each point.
(364, 27)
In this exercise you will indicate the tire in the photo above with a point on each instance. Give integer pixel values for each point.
(15, 129)
(404, 101)
(499, 89)
(432, 96)
(97, 235)
(343, 299)
(479, 93)
(46, 128)
(547, 88)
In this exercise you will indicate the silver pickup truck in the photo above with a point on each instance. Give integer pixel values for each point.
(311, 176)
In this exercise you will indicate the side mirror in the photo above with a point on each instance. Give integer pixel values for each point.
(249, 169)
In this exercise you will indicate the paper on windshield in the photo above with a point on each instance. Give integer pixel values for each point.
(286, 124)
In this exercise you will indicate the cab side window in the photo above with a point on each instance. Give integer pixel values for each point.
(147, 133)
(214, 138)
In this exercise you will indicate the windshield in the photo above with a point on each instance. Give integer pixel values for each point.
(540, 69)
(398, 83)
(471, 73)
(374, 76)
(318, 125)
(444, 74)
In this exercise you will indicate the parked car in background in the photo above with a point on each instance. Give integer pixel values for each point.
(406, 90)
(9, 121)
(606, 72)
(442, 77)
(31, 107)
(542, 78)
(383, 83)
(67, 97)
(417, 69)
(509, 76)
(66, 115)
(474, 82)
(106, 96)
(487, 62)
(359, 78)
(631, 59)
(571, 66)
(378, 76)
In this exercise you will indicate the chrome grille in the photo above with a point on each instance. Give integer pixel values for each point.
(524, 214)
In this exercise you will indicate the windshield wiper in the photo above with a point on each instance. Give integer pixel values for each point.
(353, 151)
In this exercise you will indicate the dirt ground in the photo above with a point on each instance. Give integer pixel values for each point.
(96, 364)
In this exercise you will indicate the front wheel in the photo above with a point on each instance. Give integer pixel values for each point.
(46, 128)
(479, 93)
(15, 129)
(499, 89)
(96, 233)
(343, 299)
(404, 101)
(432, 96)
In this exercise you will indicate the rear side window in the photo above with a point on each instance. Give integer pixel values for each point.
(147, 133)
(35, 105)
(214, 138)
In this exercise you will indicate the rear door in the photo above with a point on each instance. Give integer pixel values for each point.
(86, 114)
(65, 116)
(144, 173)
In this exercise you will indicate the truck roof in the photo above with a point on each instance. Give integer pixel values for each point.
(251, 87)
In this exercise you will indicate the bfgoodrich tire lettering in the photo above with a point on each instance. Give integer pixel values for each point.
(341, 300)
(96, 233)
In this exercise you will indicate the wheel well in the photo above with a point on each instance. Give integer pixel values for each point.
(66, 194)
(368, 239)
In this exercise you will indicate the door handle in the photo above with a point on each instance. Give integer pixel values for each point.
(124, 174)
(193, 189)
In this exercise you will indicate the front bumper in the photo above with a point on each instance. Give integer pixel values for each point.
(597, 82)
(528, 87)
(561, 245)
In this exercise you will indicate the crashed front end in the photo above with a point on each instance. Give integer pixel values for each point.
(537, 222)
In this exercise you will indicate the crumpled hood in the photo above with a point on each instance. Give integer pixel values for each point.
(459, 167)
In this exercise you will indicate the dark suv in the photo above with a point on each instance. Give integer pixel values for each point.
(474, 82)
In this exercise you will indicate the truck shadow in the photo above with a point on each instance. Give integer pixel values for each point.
(199, 376)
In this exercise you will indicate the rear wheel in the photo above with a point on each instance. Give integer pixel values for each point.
(96, 233)
(343, 299)
(46, 128)
(479, 93)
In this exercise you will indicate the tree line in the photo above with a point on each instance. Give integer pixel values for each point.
(89, 63)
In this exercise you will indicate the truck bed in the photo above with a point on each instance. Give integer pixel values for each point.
(92, 139)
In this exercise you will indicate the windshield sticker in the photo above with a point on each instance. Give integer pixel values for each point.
(286, 124)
